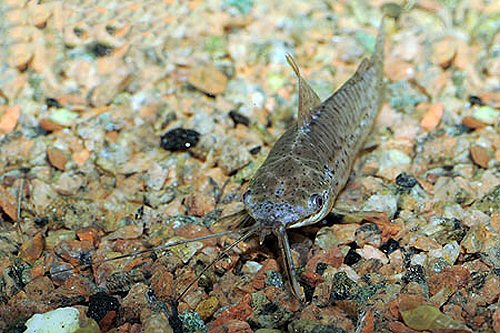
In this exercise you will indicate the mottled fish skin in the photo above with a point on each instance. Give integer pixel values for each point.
(310, 163)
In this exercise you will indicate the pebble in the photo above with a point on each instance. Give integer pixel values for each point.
(486, 114)
(472, 123)
(55, 236)
(99, 49)
(20, 55)
(9, 119)
(104, 93)
(207, 307)
(32, 248)
(185, 251)
(368, 234)
(419, 259)
(443, 230)
(63, 117)
(480, 156)
(351, 257)
(402, 96)
(239, 118)
(62, 320)
(208, 79)
(135, 301)
(274, 279)
(232, 326)
(156, 176)
(338, 234)
(233, 157)
(199, 204)
(390, 246)
(427, 317)
(101, 304)
(269, 309)
(444, 51)
(452, 278)
(392, 163)
(387, 203)
(406, 181)
(474, 239)
(370, 252)
(57, 158)
(415, 273)
(40, 289)
(432, 117)
(251, 267)
(42, 195)
(311, 326)
(162, 283)
(192, 322)
(488, 204)
(69, 183)
(131, 231)
(8, 203)
(40, 14)
(342, 287)
(156, 323)
(449, 252)
(179, 139)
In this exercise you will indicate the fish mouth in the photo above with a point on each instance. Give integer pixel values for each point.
(271, 214)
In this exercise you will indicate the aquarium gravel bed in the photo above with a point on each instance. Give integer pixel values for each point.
(126, 125)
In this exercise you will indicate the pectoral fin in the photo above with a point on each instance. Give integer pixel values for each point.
(308, 99)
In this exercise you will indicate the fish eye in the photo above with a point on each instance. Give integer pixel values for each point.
(316, 201)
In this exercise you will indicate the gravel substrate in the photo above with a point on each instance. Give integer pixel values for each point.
(126, 125)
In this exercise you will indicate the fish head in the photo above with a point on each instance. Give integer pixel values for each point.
(290, 196)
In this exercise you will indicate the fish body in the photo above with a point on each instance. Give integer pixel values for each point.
(310, 163)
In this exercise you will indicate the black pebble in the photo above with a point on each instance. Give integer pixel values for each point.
(475, 100)
(321, 268)
(100, 304)
(179, 139)
(100, 50)
(415, 273)
(343, 287)
(448, 167)
(110, 30)
(16, 328)
(351, 257)
(238, 118)
(405, 180)
(255, 150)
(41, 221)
(78, 32)
(52, 102)
(269, 308)
(390, 246)
(407, 254)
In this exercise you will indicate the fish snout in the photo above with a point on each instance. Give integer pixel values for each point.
(270, 213)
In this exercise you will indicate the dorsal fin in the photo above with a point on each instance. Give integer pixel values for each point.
(308, 99)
